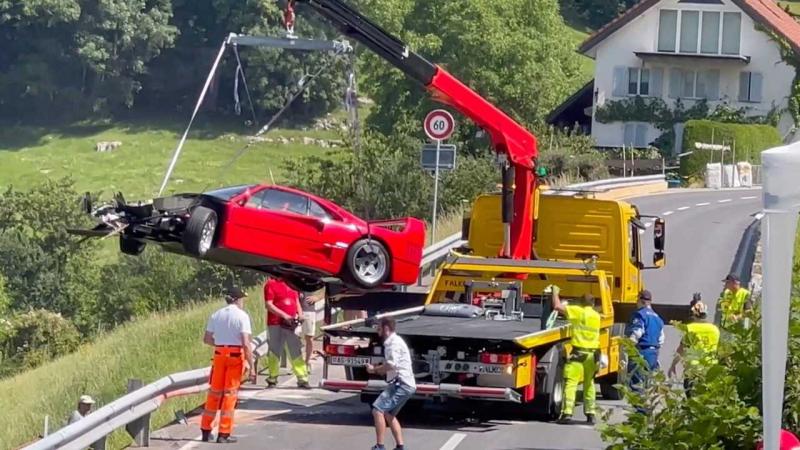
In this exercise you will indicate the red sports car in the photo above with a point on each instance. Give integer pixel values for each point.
(274, 229)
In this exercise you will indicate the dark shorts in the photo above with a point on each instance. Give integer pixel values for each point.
(393, 397)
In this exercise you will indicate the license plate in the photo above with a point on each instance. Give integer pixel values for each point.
(350, 360)
(490, 369)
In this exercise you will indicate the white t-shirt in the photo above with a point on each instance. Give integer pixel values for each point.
(398, 358)
(228, 324)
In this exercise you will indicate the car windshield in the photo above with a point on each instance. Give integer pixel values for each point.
(229, 192)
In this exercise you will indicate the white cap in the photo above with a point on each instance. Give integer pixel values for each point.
(86, 400)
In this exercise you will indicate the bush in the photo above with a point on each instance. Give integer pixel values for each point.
(36, 337)
(749, 141)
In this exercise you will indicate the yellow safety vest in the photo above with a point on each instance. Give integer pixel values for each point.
(585, 323)
(732, 304)
(706, 337)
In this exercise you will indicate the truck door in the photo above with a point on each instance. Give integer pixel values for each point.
(633, 272)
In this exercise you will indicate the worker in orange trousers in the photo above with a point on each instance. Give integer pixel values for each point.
(229, 332)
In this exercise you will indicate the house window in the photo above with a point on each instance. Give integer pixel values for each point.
(750, 86)
(707, 32)
(694, 84)
(638, 81)
(634, 134)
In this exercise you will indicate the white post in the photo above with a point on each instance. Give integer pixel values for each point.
(781, 206)
(435, 191)
(46, 426)
(624, 163)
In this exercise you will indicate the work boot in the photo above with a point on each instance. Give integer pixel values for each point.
(378, 447)
(206, 437)
(303, 384)
(565, 418)
(271, 383)
(590, 419)
(226, 439)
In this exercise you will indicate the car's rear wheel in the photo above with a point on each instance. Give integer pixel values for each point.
(201, 230)
(130, 246)
(368, 263)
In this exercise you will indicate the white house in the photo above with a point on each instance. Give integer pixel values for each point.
(718, 50)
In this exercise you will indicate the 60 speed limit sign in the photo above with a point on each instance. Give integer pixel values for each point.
(439, 125)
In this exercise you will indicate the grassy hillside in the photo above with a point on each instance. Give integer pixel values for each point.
(794, 6)
(148, 349)
(29, 154)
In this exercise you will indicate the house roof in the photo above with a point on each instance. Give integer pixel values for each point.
(764, 12)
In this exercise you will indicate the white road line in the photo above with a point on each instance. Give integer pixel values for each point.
(453, 442)
(702, 204)
(666, 213)
(193, 443)
(759, 216)
(641, 231)
(648, 224)
(684, 208)
(749, 197)
(724, 200)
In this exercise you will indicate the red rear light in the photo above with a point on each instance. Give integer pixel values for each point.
(497, 358)
(340, 350)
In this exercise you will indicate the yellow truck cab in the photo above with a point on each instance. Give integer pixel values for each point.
(575, 228)
(485, 333)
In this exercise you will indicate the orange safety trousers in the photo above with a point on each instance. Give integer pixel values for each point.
(226, 377)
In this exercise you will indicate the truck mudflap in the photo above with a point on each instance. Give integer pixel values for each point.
(428, 390)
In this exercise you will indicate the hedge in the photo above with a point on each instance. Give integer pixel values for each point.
(750, 141)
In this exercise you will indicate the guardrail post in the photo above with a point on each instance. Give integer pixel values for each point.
(139, 429)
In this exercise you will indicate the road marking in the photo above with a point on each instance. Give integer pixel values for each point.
(641, 231)
(724, 200)
(684, 208)
(702, 204)
(193, 443)
(648, 224)
(749, 197)
(666, 213)
(759, 216)
(453, 442)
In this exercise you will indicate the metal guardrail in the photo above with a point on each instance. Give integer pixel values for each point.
(132, 408)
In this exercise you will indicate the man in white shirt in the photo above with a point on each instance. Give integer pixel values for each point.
(84, 407)
(401, 385)
(229, 332)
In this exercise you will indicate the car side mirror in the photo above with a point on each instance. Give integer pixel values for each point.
(659, 235)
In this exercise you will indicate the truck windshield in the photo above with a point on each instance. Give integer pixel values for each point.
(229, 192)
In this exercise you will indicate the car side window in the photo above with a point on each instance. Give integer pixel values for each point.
(315, 210)
(256, 200)
(277, 200)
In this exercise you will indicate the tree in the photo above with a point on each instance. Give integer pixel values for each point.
(596, 13)
(514, 53)
(36, 337)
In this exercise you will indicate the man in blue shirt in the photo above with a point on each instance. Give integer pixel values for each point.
(646, 330)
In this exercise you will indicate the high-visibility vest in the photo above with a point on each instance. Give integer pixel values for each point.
(585, 323)
(706, 336)
(732, 304)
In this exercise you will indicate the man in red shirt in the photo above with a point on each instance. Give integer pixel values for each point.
(283, 317)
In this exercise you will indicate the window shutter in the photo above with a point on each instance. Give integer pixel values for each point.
(712, 84)
(656, 80)
(640, 140)
(756, 81)
(744, 86)
(629, 134)
(675, 83)
(620, 82)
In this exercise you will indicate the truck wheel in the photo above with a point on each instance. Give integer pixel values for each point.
(607, 383)
(355, 374)
(367, 263)
(130, 246)
(549, 397)
(608, 390)
(201, 230)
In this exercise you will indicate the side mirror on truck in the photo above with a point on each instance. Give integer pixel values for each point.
(659, 235)
(659, 259)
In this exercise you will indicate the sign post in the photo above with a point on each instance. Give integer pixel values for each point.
(439, 125)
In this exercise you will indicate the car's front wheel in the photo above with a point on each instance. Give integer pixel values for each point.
(201, 230)
(368, 263)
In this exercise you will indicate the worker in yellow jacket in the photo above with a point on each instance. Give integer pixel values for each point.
(702, 337)
(733, 301)
(582, 361)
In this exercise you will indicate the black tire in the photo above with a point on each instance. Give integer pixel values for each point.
(357, 273)
(607, 383)
(356, 374)
(130, 246)
(195, 242)
(608, 390)
(549, 398)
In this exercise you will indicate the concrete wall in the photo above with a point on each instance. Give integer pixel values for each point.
(641, 35)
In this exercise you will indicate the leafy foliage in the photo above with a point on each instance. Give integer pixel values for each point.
(596, 13)
(35, 337)
(749, 141)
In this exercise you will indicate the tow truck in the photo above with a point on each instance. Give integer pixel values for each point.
(485, 330)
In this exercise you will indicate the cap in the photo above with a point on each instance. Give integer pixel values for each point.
(645, 295)
(235, 293)
(732, 277)
(86, 400)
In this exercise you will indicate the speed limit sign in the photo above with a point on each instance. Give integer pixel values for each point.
(439, 125)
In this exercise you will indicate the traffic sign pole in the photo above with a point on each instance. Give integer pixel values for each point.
(435, 191)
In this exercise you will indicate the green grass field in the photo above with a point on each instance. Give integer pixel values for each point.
(794, 6)
(28, 155)
(147, 349)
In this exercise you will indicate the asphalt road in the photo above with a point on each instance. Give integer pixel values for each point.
(703, 232)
